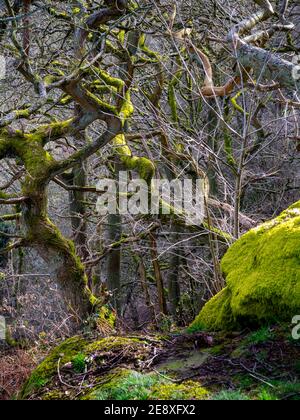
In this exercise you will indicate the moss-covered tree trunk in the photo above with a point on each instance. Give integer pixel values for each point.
(58, 252)
(41, 168)
(38, 230)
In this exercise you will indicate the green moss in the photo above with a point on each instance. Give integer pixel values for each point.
(108, 79)
(76, 351)
(216, 350)
(281, 390)
(79, 363)
(266, 395)
(8, 337)
(99, 87)
(230, 396)
(49, 79)
(216, 314)
(104, 106)
(76, 10)
(127, 108)
(121, 36)
(244, 381)
(263, 335)
(43, 374)
(124, 384)
(154, 56)
(22, 113)
(109, 343)
(229, 149)
(57, 63)
(143, 166)
(65, 100)
(188, 390)
(262, 271)
(54, 396)
(172, 95)
(236, 106)
(29, 147)
(3, 195)
(106, 317)
(36, 160)
(58, 14)
(223, 236)
(81, 355)
(42, 230)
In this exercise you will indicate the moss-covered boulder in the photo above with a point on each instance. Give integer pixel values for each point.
(113, 368)
(262, 271)
(57, 376)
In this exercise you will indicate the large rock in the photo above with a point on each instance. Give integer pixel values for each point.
(262, 271)
(112, 368)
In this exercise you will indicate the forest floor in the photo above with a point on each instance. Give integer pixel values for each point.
(259, 365)
(263, 365)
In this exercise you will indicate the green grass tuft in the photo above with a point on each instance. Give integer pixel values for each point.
(79, 363)
(230, 396)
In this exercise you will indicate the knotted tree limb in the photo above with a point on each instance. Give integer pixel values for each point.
(265, 64)
(251, 22)
(268, 66)
(209, 89)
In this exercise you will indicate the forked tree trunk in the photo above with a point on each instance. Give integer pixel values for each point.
(59, 253)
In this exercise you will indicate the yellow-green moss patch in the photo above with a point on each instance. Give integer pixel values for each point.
(126, 384)
(48, 368)
(188, 390)
(262, 271)
(78, 354)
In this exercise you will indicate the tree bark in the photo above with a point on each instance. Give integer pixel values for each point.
(58, 252)
(158, 277)
(114, 261)
(174, 279)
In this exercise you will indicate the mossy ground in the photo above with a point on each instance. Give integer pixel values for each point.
(257, 365)
(73, 357)
(123, 384)
(262, 271)
(263, 290)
